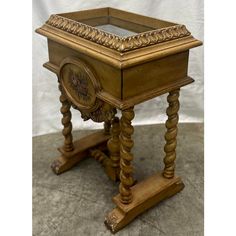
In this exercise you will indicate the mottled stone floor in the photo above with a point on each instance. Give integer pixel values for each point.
(75, 203)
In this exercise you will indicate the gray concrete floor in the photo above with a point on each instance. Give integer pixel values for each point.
(75, 203)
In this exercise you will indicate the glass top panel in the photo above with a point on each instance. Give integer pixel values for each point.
(116, 30)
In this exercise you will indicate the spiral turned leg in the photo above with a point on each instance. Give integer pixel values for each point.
(170, 136)
(107, 127)
(113, 145)
(133, 201)
(126, 144)
(66, 122)
(110, 162)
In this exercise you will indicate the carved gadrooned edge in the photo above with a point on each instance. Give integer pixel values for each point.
(112, 41)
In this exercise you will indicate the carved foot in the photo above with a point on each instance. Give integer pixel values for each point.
(146, 194)
(63, 164)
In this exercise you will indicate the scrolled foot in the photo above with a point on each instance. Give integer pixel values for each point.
(115, 220)
(55, 166)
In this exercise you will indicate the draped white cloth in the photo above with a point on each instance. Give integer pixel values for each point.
(46, 106)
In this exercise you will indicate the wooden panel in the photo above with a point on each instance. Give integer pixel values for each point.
(86, 14)
(139, 19)
(116, 13)
(108, 76)
(145, 77)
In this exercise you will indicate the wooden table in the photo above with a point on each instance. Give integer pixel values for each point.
(107, 59)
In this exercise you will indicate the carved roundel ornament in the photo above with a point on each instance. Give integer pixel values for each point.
(79, 83)
(80, 86)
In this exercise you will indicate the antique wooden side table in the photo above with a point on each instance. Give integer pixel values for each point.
(107, 59)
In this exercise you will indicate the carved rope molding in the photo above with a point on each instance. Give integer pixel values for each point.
(112, 41)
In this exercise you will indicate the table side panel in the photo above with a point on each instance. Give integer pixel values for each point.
(109, 12)
(86, 14)
(108, 76)
(139, 19)
(148, 76)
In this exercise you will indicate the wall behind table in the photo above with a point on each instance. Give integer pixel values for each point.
(46, 106)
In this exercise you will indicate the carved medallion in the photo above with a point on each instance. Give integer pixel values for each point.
(79, 83)
(80, 87)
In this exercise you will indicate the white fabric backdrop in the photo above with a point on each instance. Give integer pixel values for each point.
(46, 115)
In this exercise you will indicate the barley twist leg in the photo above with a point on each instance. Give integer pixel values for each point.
(66, 122)
(171, 133)
(113, 145)
(126, 144)
(107, 127)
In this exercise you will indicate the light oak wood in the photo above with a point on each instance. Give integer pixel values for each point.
(81, 150)
(87, 14)
(113, 146)
(156, 74)
(139, 19)
(107, 127)
(66, 122)
(100, 72)
(126, 103)
(126, 144)
(117, 51)
(170, 136)
(146, 194)
(105, 161)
